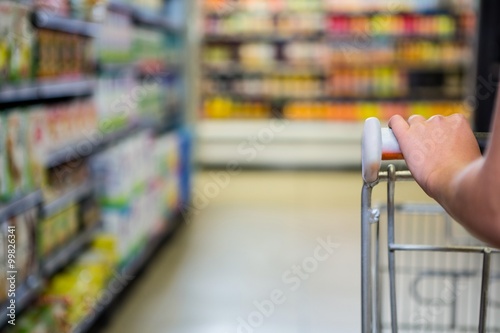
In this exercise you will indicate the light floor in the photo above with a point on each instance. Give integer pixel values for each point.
(251, 259)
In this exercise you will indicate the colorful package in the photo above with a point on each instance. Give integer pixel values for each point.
(5, 23)
(17, 160)
(21, 45)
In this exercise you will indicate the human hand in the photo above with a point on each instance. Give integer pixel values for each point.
(435, 150)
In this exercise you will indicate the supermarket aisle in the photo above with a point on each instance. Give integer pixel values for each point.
(263, 238)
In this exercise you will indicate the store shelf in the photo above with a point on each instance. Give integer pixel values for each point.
(20, 205)
(46, 90)
(283, 144)
(46, 20)
(264, 38)
(276, 68)
(143, 17)
(89, 146)
(235, 9)
(290, 69)
(132, 268)
(69, 197)
(413, 97)
(60, 258)
(356, 39)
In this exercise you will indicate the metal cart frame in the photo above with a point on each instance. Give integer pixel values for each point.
(376, 143)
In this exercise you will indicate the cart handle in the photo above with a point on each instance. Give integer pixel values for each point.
(377, 144)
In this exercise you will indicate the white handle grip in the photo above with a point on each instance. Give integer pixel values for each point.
(377, 144)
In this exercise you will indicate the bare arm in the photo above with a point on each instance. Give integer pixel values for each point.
(445, 160)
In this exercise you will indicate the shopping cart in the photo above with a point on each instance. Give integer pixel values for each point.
(420, 271)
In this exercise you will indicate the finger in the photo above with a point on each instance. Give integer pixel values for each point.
(416, 118)
(435, 117)
(398, 125)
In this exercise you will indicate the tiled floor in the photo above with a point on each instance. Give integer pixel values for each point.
(254, 259)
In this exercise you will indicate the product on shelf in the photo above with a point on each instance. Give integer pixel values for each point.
(217, 54)
(25, 252)
(219, 107)
(274, 6)
(114, 43)
(80, 285)
(5, 28)
(64, 178)
(62, 55)
(148, 47)
(16, 153)
(54, 231)
(134, 185)
(69, 122)
(358, 111)
(310, 53)
(28, 135)
(117, 96)
(412, 53)
(257, 54)
(55, 7)
(16, 43)
(43, 318)
(369, 82)
(89, 213)
(36, 146)
(86, 10)
(392, 25)
(394, 6)
(21, 45)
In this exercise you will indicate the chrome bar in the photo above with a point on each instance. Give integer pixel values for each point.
(366, 292)
(391, 184)
(403, 175)
(432, 248)
(485, 284)
(377, 312)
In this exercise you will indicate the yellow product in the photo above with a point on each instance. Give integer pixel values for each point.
(82, 284)
(367, 110)
(5, 23)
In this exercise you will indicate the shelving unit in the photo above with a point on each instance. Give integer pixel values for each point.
(41, 98)
(47, 20)
(130, 269)
(46, 90)
(308, 62)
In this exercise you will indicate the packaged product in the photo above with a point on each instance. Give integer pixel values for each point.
(37, 147)
(17, 161)
(5, 184)
(44, 234)
(5, 27)
(21, 45)
(89, 212)
(46, 317)
(25, 243)
(57, 7)
(54, 231)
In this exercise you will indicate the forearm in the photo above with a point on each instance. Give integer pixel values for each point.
(472, 199)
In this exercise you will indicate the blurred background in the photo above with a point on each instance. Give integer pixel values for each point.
(194, 165)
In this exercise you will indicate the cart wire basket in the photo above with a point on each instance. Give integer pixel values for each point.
(421, 271)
